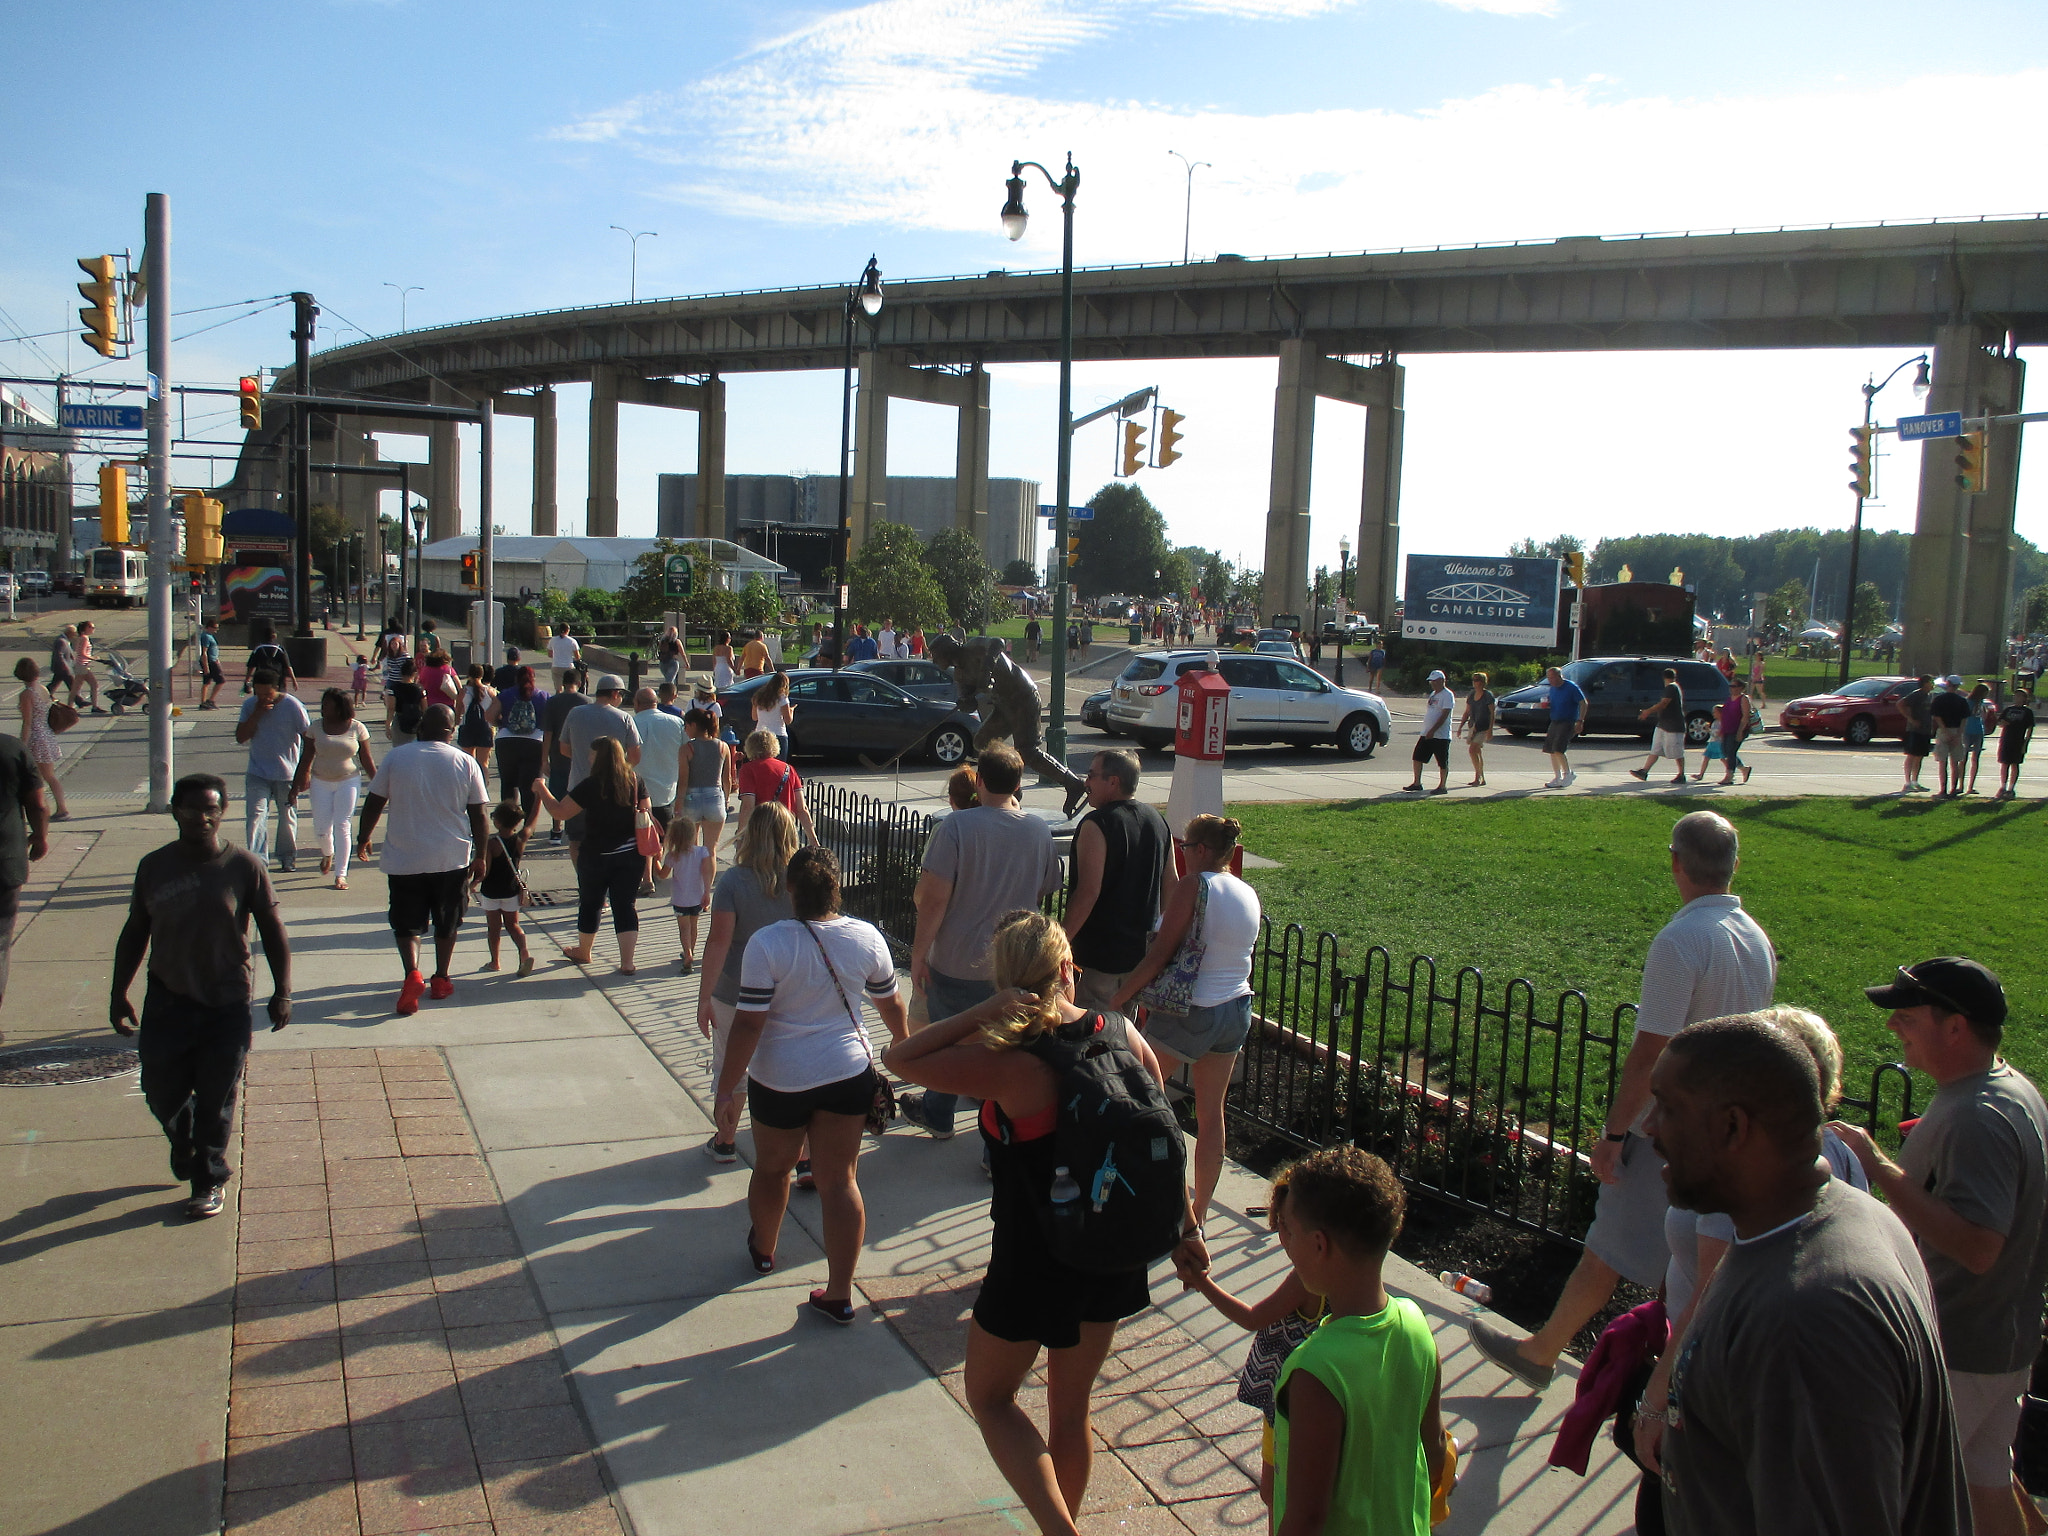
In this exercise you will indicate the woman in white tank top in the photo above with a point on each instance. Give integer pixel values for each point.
(1210, 926)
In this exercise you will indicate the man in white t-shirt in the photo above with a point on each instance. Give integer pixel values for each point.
(435, 839)
(885, 640)
(565, 656)
(1711, 960)
(1434, 745)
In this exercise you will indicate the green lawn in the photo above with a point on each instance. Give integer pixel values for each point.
(1569, 892)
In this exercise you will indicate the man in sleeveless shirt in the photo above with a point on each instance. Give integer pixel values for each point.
(1119, 871)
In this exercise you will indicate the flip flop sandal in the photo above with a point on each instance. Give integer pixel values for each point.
(764, 1263)
(840, 1312)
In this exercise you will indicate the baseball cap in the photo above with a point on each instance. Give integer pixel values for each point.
(1951, 681)
(1951, 982)
(1437, 677)
(609, 682)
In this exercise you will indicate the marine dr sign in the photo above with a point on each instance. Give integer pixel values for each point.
(1504, 601)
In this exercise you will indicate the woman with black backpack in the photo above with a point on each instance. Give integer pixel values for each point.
(1079, 1213)
(472, 717)
(515, 712)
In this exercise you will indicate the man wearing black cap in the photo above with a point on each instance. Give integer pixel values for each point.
(1971, 1184)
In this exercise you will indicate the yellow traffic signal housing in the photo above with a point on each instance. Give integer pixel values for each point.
(469, 571)
(1862, 465)
(1073, 549)
(102, 321)
(1970, 461)
(1134, 448)
(113, 504)
(1575, 567)
(1169, 434)
(202, 530)
(252, 403)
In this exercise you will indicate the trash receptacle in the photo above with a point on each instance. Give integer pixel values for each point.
(1137, 634)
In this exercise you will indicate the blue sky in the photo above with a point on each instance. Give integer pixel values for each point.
(482, 151)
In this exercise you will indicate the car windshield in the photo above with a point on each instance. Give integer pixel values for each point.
(1583, 672)
(1866, 687)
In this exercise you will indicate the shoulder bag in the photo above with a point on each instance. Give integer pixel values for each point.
(1173, 989)
(882, 1108)
(646, 835)
(62, 716)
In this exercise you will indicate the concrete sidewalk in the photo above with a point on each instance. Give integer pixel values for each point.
(567, 1145)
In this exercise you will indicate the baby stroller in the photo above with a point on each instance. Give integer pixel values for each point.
(124, 690)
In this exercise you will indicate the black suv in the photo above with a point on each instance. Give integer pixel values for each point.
(1618, 689)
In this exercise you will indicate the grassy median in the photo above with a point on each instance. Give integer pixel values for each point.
(1568, 892)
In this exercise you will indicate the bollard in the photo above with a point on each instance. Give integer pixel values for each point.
(632, 673)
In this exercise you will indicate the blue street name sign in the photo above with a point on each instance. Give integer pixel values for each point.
(102, 418)
(1943, 424)
(1050, 512)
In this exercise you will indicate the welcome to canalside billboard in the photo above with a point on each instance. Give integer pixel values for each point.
(1485, 600)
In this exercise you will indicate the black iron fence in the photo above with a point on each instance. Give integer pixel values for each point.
(1488, 1095)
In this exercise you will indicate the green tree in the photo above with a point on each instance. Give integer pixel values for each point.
(1018, 573)
(1868, 618)
(1247, 590)
(1177, 575)
(1786, 604)
(330, 527)
(644, 598)
(1213, 577)
(2034, 610)
(968, 580)
(594, 604)
(1550, 549)
(760, 603)
(888, 579)
(1123, 548)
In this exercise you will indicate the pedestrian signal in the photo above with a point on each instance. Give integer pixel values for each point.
(469, 570)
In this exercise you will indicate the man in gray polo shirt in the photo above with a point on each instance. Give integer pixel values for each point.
(1971, 1185)
(982, 862)
(1709, 961)
(586, 725)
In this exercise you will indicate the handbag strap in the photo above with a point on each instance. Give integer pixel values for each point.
(518, 875)
(840, 990)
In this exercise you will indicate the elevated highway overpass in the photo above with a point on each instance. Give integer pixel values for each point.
(1971, 290)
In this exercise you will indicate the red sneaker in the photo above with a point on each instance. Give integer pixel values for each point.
(409, 995)
(440, 988)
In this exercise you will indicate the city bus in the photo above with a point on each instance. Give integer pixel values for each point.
(116, 577)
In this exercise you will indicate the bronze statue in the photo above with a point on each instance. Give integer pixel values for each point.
(991, 683)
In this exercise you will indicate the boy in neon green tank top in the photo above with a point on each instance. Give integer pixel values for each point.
(1360, 1441)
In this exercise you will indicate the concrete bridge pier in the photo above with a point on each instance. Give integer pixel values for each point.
(1306, 374)
(1959, 584)
(610, 387)
(881, 378)
(444, 467)
(539, 408)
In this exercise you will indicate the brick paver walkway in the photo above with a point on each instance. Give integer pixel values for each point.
(393, 1370)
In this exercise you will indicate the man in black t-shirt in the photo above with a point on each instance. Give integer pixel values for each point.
(24, 837)
(554, 724)
(1918, 739)
(1669, 738)
(1119, 870)
(190, 909)
(2015, 729)
(1950, 709)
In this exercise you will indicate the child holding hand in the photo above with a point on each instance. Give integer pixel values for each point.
(685, 864)
(498, 893)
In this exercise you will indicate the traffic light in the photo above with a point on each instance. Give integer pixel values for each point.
(252, 403)
(1169, 434)
(113, 504)
(102, 322)
(1073, 549)
(469, 570)
(1861, 463)
(1134, 448)
(1970, 461)
(202, 530)
(1575, 567)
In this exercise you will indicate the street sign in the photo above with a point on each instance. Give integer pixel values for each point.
(677, 576)
(1942, 424)
(1050, 511)
(102, 418)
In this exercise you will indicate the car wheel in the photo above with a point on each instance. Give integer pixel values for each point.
(948, 746)
(1153, 742)
(1517, 733)
(1357, 738)
(1699, 730)
(1860, 731)
(1805, 735)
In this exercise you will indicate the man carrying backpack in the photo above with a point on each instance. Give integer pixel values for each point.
(266, 655)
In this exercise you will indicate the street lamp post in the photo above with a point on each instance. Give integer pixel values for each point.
(863, 298)
(1870, 393)
(1015, 220)
(1188, 211)
(1343, 586)
(402, 292)
(419, 572)
(633, 268)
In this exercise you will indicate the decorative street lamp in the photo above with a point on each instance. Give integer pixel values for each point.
(1870, 392)
(418, 513)
(1014, 221)
(863, 298)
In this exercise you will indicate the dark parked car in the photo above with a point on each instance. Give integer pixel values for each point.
(1095, 712)
(1618, 689)
(926, 679)
(70, 583)
(847, 713)
(1867, 708)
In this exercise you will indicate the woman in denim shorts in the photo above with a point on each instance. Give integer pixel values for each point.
(1212, 920)
(710, 775)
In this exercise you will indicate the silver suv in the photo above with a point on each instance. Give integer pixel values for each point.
(1272, 698)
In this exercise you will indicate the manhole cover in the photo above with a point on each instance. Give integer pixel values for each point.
(74, 1063)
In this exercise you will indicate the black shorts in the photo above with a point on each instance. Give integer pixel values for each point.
(1433, 749)
(420, 902)
(693, 912)
(2011, 753)
(792, 1111)
(1557, 736)
(1918, 743)
(214, 673)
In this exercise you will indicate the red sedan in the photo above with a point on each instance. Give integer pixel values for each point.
(1867, 708)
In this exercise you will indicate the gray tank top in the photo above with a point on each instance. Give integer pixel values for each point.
(707, 759)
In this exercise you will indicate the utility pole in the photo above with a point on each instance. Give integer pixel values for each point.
(487, 579)
(156, 279)
(64, 504)
(303, 312)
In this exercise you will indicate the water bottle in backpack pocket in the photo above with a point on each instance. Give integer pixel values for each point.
(1119, 1148)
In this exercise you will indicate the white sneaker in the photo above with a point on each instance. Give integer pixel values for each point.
(1568, 781)
(1554, 783)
